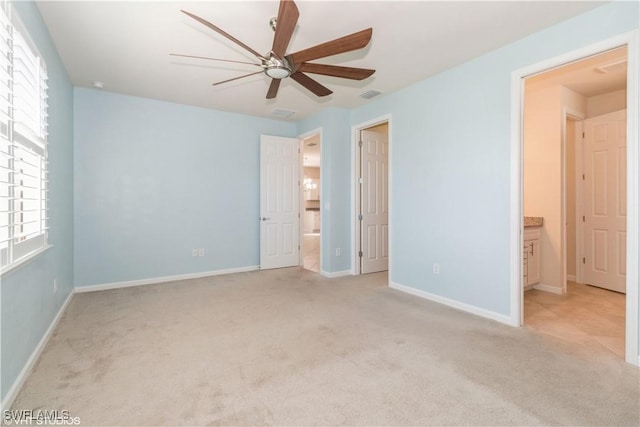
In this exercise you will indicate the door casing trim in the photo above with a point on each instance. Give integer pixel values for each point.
(567, 113)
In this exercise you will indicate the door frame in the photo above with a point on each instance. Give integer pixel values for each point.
(631, 40)
(355, 188)
(301, 138)
(568, 113)
(579, 202)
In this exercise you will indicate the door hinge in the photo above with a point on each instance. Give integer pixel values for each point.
(582, 218)
(584, 260)
(298, 214)
(360, 254)
(298, 248)
(360, 181)
(360, 143)
(298, 183)
(583, 135)
(583, 177)
(360, 217)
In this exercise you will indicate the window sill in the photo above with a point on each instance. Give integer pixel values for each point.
(23, 261)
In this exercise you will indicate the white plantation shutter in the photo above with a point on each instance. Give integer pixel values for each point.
(23, 146)
(6, 147)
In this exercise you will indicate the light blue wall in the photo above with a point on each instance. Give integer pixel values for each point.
(28, 302)
(450, 166)
(335, 199)
(153, 180)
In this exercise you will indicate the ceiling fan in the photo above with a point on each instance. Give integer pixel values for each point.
(278, 65)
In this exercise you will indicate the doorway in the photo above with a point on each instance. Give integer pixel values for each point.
(587, 156)
(552, 181)
(371, 198)
(311, 190)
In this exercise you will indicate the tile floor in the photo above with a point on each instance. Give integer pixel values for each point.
(585, 315)
(312, 252)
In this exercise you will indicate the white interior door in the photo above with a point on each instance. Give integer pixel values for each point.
(279, 202)
(604, 201)
(374, 208)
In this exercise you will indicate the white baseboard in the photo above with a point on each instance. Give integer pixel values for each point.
(453, 303)
(336, 273)
(26, 370)
(548, 288)
(571, 277)
(154, 280)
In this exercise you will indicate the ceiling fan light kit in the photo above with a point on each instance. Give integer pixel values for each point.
(277, 68)
(278, 65)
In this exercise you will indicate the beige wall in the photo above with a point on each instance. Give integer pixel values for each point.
(544, 168)
(312, 172)
(606, 103)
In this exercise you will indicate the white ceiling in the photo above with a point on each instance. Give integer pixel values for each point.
(126, 45)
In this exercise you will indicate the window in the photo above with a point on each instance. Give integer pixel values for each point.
(23, 144)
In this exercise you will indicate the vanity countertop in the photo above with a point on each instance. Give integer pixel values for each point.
(533, 221)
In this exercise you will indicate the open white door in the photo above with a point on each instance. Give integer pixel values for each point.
(279, 208)
(374, 232)
(605, 204)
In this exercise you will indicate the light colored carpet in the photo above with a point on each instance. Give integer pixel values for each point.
(289, 347)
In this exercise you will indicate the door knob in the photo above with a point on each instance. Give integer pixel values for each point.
(263, 218)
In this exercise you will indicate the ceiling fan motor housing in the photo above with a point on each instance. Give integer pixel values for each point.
(276, 68)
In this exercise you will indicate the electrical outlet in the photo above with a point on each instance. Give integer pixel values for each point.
(337, 251)
(436, 268)
(194, 252)
(55, 285)
(201, 252)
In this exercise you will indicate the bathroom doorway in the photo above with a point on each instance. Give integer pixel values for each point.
(574, 201)
(311, 190)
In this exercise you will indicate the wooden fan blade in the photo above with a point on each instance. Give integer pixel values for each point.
(336, 71)
(214, 59)
(222, 32)
(285, 24)
(236, 78)
(340, 45)
(273, 88)
(311, 84)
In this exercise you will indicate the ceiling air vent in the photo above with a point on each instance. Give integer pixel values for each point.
(280, 112)
(370, 94)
